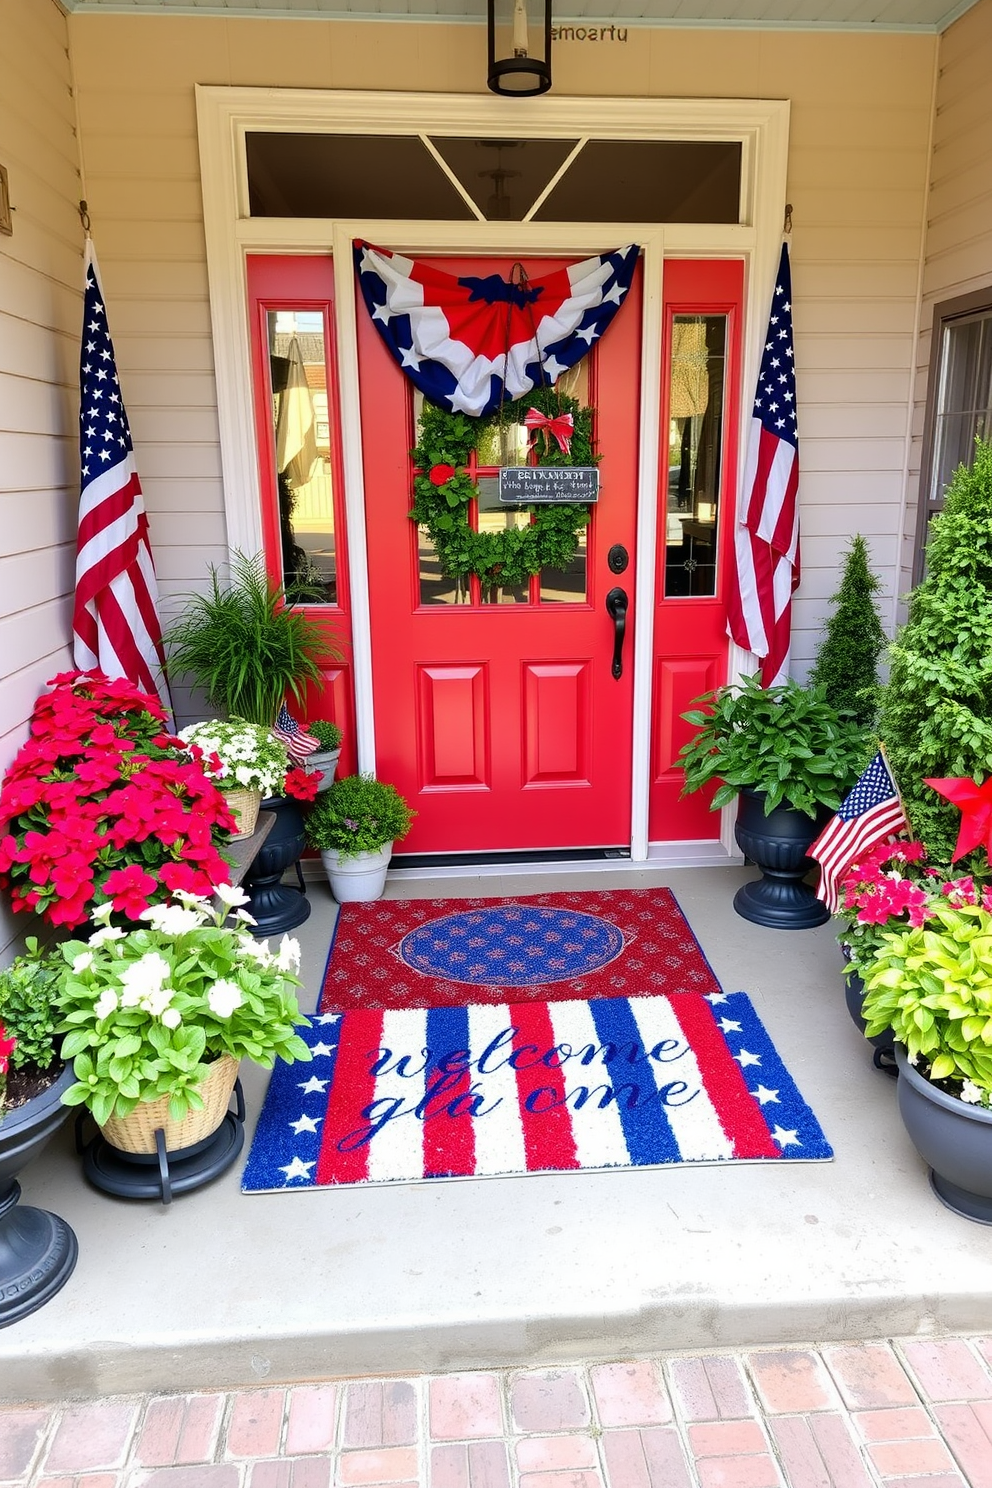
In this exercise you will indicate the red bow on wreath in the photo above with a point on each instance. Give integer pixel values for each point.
(562, 426)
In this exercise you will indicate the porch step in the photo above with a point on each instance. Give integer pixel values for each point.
(223, 1291)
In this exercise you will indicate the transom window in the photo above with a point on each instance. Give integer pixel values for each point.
(444, 178)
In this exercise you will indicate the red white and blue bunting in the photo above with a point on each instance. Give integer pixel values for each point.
(470, 343)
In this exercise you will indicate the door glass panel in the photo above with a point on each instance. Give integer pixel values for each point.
(348, 175)
(648, 181)
(504, 177)
(695, 437)
(501, 521)
(567, 585)
(301, 423)
(435, 589)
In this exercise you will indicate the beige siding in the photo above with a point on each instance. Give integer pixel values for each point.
(958, 252)
(40, 304)
(857, 180)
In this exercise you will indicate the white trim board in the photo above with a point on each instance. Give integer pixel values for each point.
(226, 115)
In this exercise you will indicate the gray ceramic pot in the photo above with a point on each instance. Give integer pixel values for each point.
(955, 1139)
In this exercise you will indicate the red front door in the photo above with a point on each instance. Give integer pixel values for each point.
(497, 713)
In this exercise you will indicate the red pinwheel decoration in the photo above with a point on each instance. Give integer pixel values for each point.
(975, 804)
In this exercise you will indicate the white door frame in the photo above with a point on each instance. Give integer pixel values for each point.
(226, 115)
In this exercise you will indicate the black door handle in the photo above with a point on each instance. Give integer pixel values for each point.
(616, 608)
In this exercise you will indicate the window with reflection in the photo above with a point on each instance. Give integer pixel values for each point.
(302, 427)
(691, 494)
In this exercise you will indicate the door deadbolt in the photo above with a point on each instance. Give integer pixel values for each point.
(617, 558)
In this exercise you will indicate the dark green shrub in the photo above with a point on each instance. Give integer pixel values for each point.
(357, 814)
(27, 991)
(327, 733)
(846, 665)
(936, 709)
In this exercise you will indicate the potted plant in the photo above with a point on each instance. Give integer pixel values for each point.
(354, 825)
(931, 984)
(245, 646)
(324, 761)
(245, 760)
(156, 1020)
(792, 758)
(37, 1249)
(102, 805)
(890, 887)
(846, 664)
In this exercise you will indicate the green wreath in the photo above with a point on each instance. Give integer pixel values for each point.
(442, 506)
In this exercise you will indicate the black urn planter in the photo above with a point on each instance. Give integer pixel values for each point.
(37, 1250)
(778, 844)
(882, 1043)
(953, 1138)
(276, 906)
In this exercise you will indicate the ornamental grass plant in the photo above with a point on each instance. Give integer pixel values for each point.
(785, 741)
(146, 1012)
(102, 805)
(357, 814)
(245, 647)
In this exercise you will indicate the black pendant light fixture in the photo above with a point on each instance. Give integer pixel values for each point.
(519, 47)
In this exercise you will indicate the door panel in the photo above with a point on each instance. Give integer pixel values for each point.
(699, 423)
(291, 317)
(497, 714)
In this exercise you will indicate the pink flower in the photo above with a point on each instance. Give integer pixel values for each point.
(130, 889)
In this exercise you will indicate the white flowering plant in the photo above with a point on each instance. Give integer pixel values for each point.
(146, 1012)
(238, 755)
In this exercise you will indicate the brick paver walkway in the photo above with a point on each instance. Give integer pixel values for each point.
(902, 1414)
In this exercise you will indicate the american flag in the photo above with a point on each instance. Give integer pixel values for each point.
(871, 813)
(298, 742)
(759, 608)
(115, 622)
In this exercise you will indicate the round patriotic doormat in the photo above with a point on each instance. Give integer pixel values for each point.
(397, 953)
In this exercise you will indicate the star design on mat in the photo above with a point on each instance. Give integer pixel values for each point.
(313, 1086)
(786, 1138)
(322, 1050)
(745, 1057)
(305, 1124)
(715, 997)
(764, 1095)
(729, 1026)
(297, 1169)
(325, 1018)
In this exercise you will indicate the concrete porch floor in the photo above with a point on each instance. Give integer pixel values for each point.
(221, 1291)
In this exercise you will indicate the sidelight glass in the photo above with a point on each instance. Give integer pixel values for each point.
(302, 429)
(691, 489)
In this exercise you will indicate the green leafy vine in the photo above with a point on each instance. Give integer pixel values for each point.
(507, 557)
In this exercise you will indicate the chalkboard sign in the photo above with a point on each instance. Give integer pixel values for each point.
(532, 485)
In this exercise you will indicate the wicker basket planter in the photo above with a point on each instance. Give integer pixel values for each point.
(244, 806)
(136, 1132)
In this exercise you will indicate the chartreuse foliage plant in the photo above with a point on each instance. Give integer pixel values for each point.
(846, 665)
(936, 713)
(357, 814)
(245, 646)
(786, 741)
(146, 1012)
(932, 985)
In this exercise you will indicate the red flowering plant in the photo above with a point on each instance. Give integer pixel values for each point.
(7, 1047)
(103, 805)
(892, 887)
(301, 785)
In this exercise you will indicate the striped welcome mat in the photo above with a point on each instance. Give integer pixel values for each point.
(490, 1090)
